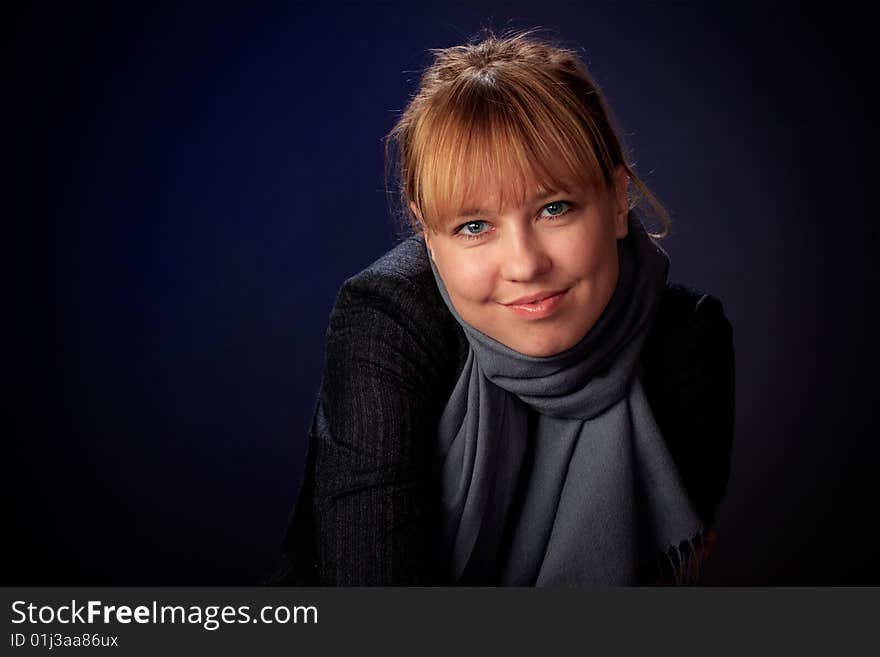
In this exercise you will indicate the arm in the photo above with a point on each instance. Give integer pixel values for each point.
(704, 385)
(691, 363)
(372, 494)
(690, 368)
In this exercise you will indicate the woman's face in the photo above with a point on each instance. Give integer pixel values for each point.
(534, 277)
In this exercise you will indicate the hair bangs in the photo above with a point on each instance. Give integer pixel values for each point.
(500, 149)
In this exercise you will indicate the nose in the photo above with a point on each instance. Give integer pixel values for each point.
(524, 256)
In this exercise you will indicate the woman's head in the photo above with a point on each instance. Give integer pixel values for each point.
(499, 112)
(511, 168)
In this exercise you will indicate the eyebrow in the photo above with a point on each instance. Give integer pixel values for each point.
(465, 212)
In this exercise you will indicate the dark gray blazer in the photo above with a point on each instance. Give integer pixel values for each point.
(366, 512)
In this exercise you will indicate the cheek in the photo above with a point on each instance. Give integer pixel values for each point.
(591, 252)
(470, 279)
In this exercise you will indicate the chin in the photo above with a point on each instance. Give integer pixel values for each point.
(542, 348)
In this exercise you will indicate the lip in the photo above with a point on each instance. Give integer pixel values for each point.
(537, 306)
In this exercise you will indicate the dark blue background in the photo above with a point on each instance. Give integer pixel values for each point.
(187, 187)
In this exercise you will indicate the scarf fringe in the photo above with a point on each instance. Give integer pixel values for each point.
(682, 564)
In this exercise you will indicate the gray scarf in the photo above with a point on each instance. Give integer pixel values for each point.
(553, 470)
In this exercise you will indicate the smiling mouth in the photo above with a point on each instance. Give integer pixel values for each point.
(537, 306)
(533, 299)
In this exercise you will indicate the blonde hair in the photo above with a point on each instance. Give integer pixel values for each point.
(503, 112)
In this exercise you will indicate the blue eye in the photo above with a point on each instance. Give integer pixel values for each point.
(555, 209)
(473, 228)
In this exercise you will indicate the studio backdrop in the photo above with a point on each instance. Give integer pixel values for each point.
(190, 184)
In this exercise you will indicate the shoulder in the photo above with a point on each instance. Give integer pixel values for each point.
(392, 309)
(402, 276)
(688, 359)
(689, 325)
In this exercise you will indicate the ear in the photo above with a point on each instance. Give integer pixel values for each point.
(621, 202)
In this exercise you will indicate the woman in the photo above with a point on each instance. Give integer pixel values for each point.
(515, 395)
